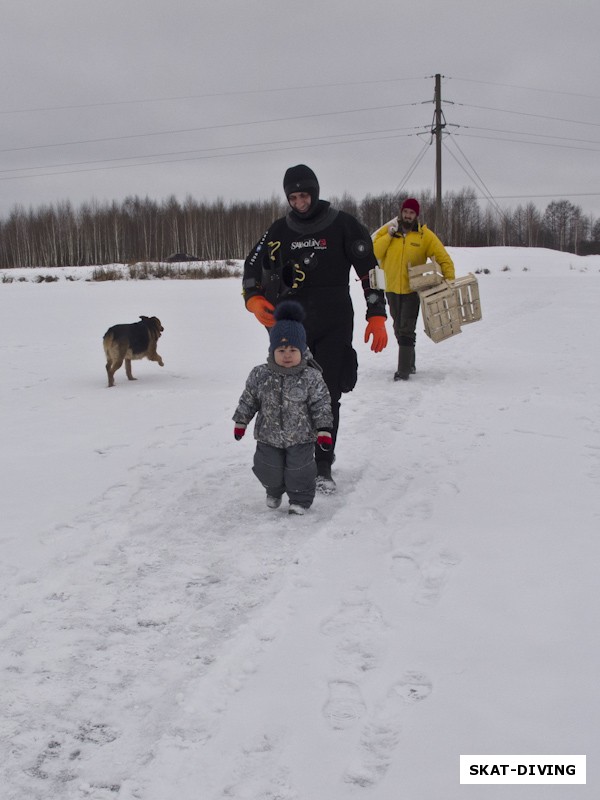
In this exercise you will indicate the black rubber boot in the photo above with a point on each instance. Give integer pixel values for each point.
(325, 483)
(406, 361)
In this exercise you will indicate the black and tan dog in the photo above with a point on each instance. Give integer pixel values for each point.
(131, 342)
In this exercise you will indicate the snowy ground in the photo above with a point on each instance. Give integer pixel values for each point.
(165, 635)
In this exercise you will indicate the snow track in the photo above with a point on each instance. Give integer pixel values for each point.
(165, 635)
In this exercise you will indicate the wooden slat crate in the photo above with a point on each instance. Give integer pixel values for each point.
(467, 296)
(441, 313)
(424, 276)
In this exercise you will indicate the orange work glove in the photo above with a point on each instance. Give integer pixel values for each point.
(376, 329)
(262, 310)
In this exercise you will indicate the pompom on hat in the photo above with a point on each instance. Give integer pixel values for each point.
(411, 203)
(288, 330)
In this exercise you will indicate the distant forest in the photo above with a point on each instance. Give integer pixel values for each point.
(146, 230)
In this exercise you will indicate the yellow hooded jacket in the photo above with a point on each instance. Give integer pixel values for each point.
(395, 255)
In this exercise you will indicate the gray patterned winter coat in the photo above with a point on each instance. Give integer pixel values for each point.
(291, 403)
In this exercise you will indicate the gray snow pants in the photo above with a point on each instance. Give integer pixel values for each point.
(290, 469)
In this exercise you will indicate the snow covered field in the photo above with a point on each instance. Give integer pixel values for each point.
(165, 636)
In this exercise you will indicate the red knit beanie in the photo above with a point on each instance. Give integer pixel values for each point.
(411, 203)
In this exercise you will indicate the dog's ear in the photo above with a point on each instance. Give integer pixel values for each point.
(143, 318)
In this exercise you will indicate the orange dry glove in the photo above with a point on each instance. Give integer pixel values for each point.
(376, 328)
(262, 310)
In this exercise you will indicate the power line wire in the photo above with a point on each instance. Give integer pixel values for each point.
(235, 92)
(205, 128)
(525, 141)
(479, 179)
(529, 114)
(193, 158)
(542, 196)
(527, 88)
(198, 151)
(526, 133)
(276, 89)
(209, 153)
(412, 168)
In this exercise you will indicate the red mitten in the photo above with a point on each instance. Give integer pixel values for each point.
(324, 440)
(239, 430)
(376, 329)
(262, 310)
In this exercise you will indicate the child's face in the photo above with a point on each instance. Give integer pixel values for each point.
(287, 356)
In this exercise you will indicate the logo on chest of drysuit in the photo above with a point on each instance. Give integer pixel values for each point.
(316, 244)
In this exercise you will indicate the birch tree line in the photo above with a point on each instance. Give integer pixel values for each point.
(139, 229)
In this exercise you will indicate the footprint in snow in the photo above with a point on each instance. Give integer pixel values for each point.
(357, 628)
(404, 568)
(381, 733)
(356, 615)
(429, 578)
(434, 577)
(344, 706)
(359, 655)
(259, 773)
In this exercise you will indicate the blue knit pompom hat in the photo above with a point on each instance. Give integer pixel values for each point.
(288, 330)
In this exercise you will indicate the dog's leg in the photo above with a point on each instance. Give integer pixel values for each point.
(128, 370)
(110, 371)
(111, 368)
(155, 357)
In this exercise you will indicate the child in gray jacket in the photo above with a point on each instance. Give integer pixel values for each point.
(293, 408)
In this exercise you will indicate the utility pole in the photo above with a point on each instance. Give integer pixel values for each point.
(439, 125)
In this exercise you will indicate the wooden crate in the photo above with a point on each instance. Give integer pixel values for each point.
(424, 276)
(441, 313)
(467, 298)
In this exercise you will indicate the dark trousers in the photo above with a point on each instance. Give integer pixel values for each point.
(290, 470)
(329, 328)
(404, 309)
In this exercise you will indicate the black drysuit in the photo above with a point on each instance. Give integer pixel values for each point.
(309, 260)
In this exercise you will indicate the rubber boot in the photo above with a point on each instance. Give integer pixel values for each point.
(325, 483)
(406, 358)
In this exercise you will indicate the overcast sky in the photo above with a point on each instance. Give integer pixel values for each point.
(105, 99)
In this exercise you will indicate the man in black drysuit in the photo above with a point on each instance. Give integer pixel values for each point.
(307, 256)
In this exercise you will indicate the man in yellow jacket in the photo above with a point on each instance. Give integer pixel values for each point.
(399, 245)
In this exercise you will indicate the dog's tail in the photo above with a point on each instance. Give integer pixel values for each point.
(108, 341)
